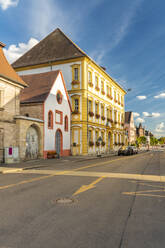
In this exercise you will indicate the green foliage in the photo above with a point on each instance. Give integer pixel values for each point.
(161, 140)
(153, 141)
(141, 140)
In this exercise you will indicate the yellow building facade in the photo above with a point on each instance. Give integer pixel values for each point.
(97, 124)
(98, 109)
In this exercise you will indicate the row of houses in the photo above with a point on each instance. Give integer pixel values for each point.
(56, 98)
(133, 131)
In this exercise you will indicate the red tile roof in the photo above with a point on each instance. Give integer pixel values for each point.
(6, 70)
(40, 86)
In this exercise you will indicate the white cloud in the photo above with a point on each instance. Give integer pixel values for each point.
(126, 22)
(146, 114)
(162, 95)
(141, 97)
(140, 120)
(122, 29)
(155, 115)
(55, 15)
(135, 114)
(5, 4)
(14, 51)
(98, 55)
(160, 127)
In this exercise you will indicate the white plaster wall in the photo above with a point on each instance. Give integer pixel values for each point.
(65, 68)
(52, 104)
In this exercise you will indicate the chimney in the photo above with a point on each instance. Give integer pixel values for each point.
(103, 68)
(2, 45)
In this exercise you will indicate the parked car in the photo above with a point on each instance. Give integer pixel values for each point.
(126, 151)
(135, 149)
(121, 150)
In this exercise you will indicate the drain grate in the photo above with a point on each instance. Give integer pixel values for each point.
(65, 200)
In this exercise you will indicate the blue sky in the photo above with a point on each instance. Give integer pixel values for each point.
(127, 37)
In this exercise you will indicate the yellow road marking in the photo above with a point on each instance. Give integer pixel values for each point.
(149, 195)
(100, 174)
(150, 185)
(145, 192)
(103, 163)
(30, 181)
(84, 188)
(55, 173)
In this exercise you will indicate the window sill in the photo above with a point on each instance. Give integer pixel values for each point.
(90, 84)
(75, 113)
(97, 88)
(75, 82)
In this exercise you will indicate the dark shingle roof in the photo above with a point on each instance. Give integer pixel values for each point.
(56, 46)
(39, 86)
(128, 117)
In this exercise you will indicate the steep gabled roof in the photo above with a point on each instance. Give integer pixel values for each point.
(128, 116)
(40, 86)
(6, 70)
(55, 47)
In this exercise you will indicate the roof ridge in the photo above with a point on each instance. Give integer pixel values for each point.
(72, 42)
(57, 29)
(7, 71)
(35, 45)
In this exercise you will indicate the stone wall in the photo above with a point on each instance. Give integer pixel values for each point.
(22, 127)
(9, 100)
(32, 110)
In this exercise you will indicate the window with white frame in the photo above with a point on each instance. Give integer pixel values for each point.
(102, 110)
(97, 135)
(102, 86)
(96, 82)
(76, 76)
(96, 108)
(76, 104)
(90, 105)
(90, 135)
(89, 76)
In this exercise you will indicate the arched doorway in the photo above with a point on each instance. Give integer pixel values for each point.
(58, 142)
(32, 143)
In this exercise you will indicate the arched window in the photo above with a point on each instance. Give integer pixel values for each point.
(50, 119)
(66, 123)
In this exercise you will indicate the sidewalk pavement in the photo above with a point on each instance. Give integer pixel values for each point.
(39, 163)
(25, 165)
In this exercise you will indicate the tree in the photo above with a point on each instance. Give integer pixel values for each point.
(141, 140)
(161, 140)
(153, 141)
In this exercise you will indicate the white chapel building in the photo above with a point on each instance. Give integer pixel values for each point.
(46, 98)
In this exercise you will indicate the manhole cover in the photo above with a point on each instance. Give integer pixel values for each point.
(64, 200)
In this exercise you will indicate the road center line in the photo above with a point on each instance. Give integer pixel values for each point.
(74, 172)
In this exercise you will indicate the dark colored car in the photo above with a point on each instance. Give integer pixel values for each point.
(126, 151)
(121, 151)
(135, 149)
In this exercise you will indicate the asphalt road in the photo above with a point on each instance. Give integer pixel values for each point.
(112, 203)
